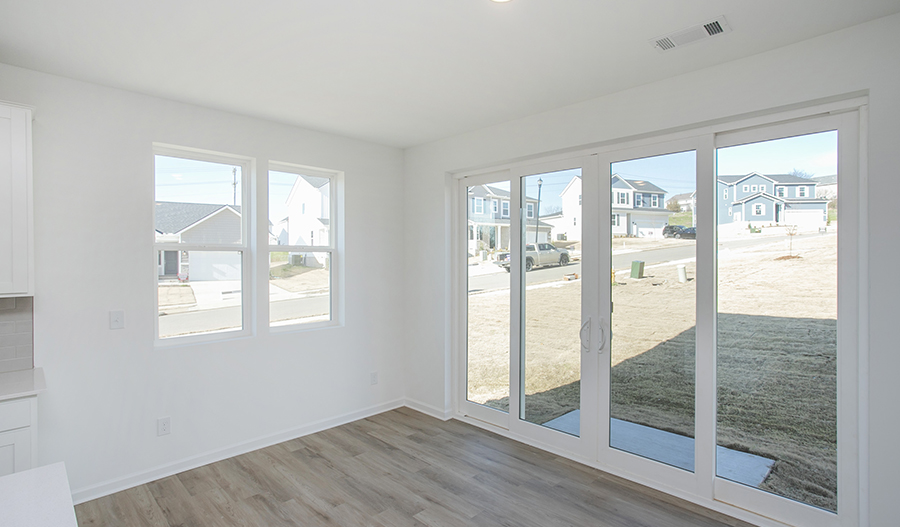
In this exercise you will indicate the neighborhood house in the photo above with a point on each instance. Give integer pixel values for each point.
(308, 219)
(638, 208)
(488, 223)
(759, 200)
(198, 223)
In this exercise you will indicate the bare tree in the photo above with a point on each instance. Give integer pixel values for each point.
(802, 173)
(791, 231)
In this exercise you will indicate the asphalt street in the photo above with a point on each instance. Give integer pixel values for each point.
(206, 320)
(488, 282)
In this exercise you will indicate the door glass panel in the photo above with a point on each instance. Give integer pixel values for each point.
(777, 317)
(487, 338)
(551, 300)
(653, 289)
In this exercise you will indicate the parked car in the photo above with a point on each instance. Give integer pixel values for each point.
(687, 232)
(543, 254)
(669, 231)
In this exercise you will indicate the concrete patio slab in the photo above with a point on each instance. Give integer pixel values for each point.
(672, 449)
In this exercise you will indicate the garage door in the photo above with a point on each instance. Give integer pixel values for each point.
(805, 219)
(210, 265)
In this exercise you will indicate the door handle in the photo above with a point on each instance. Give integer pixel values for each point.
(602, 336)
(586, 336)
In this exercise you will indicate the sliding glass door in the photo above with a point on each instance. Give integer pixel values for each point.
(684, 312)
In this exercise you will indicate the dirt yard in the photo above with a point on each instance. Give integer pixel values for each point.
(299, 279)
(776, 356)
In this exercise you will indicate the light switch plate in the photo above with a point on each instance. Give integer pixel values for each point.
(116, 320)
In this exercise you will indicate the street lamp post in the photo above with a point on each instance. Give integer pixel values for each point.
(537, 213)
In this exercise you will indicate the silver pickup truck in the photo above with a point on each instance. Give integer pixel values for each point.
(543, 254)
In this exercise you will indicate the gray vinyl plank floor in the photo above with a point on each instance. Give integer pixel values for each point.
(399, 468)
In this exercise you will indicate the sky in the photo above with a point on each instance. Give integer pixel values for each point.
(191, 181)
(675, 173)
(194, 181)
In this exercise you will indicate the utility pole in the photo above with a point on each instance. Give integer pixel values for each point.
(234, 185)
(537, 214)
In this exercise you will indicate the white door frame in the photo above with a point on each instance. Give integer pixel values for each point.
(708, 491)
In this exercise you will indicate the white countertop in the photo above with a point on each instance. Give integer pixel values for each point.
(15, 384)
(39, 497)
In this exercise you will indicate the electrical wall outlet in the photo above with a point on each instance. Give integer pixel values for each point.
(116, 320)
(373, 378)
(163, 426)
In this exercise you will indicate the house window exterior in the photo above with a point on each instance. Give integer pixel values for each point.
(494, 206)
(529, 210)
(801, 192)
(654, 201)
(753, 188)
(779, 191)
(504, 209)
(759, 209)
(746, 188)
(478, 206)
(762, 188)
(615, 220)
(622, 198)
(725, 193)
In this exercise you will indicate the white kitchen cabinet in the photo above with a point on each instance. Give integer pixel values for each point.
(16, 223)
(18, 419)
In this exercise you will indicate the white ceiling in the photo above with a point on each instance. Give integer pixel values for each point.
(396, 72)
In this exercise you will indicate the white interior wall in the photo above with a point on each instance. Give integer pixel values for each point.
(93, 205)
(852, 60)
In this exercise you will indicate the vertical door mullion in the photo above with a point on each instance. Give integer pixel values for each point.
(705, 377)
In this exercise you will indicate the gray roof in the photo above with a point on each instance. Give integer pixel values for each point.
(685, 195)
(172, 217)
(640, 184)
(644, 186)
(786, 179)
(826, 180)
(481, 191)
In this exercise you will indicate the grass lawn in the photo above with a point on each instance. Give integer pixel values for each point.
(682, 218)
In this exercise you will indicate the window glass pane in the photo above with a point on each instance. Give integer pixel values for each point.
(551, 301)
(299, 287)
(203, 296)
(487, 302)
(197, 202)
(299, 209)
(653, 289)
(777, 320)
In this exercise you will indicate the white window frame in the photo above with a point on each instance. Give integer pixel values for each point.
(759, 209)
(762, 188)
(801, 192)
(654, 200)
(333, 247)
(504, 209)
(529, 211)
(248, 178)
(754, 188)
(495, 206)
(780, 192)
(477, 205)
(725, 193)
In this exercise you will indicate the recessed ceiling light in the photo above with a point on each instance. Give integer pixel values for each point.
(499, 1)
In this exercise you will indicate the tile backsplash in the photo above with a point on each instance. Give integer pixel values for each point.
(16, 334)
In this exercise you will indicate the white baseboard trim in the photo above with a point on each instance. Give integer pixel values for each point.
(427, 409)
(116, 485)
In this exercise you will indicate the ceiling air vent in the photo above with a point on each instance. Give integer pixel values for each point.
(690, 35)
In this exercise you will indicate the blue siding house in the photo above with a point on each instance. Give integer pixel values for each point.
(780, 199)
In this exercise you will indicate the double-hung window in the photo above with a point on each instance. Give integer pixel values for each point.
(201, 226)
(504, 209)
(302, 245)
